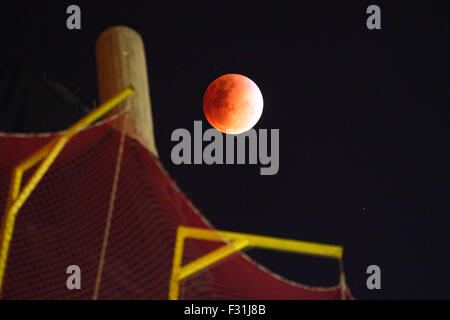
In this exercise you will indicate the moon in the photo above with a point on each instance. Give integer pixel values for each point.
(233, 103)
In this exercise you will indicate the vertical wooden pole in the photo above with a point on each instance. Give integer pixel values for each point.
(121, 62)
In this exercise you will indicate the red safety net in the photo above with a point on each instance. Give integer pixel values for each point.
(63, 223)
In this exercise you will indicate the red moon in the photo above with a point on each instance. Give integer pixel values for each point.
(233, 103)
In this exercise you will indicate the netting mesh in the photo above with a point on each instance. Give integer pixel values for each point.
(63, 223)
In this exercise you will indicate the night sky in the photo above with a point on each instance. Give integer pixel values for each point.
(363, 119)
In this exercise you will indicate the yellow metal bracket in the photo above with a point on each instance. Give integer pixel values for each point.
(46, 155)
(235, 242)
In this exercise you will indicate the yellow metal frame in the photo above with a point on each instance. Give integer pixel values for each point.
(46, 155)
(236, 242)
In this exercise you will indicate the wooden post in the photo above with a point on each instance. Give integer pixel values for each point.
(121, 62)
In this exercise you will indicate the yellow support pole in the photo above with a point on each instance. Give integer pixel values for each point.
(238, 241)
(211, 258)
(176, 266)
(273, 243)
(14, 187)
(9, 218)
(100, 111)
(49, 152)
(37, 156)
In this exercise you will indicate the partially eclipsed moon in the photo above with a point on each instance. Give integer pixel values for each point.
(233, 103)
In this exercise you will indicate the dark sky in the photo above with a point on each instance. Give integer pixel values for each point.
(363, 119)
